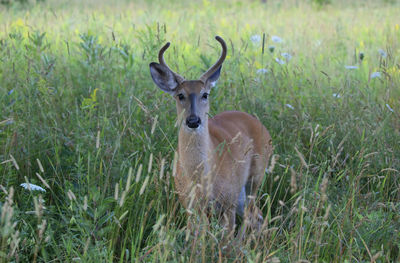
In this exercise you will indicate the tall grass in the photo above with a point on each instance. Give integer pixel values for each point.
(81, 118)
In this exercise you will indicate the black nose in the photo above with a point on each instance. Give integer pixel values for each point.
(193, 121)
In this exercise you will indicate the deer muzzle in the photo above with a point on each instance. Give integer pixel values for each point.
(193, 121)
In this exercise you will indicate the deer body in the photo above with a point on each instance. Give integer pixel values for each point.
(221, 160)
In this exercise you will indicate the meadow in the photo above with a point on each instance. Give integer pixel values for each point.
(81, 118)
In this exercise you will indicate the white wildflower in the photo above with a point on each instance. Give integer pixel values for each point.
(351, 67)
(32, 187)
(287, 56)
(336, 95)
(262, 71)
(280, 61)
(255, 39)
(289, 106)
(376, 75)
(276, 39)
(382, 53)
(389, 108)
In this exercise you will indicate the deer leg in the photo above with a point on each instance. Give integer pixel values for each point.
(256, 176)
(241, 202)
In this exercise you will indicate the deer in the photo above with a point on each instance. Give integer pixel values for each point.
(220, 160)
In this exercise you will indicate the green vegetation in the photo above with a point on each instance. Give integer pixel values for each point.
(81, 117)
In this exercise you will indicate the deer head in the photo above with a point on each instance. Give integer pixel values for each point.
(191, 95)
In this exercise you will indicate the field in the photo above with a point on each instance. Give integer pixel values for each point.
(81, 118)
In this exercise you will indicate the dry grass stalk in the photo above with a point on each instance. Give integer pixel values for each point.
(303, 161)
(43, 181)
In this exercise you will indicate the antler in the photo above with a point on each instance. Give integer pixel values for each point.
(178, 77)
(221, 59)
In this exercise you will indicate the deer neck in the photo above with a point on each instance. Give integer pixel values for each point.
(194, 151)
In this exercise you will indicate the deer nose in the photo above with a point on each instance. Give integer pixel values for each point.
(193, 121)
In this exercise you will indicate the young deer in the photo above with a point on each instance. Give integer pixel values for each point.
(221, 160)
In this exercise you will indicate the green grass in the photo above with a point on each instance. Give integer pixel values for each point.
(78, 108)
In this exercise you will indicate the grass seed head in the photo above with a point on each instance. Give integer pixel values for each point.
(323, 188)
(14, 162)
(162, 168)
(40, 166)
(146, 181)
(150, 163)
(116, 189)
(138, 173)
(71, 195)
(128, 182)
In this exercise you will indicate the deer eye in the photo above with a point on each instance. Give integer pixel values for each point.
(205, 96)
(181, 96)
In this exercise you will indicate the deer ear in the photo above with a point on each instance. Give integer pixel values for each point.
(212, 80)
(163, 77)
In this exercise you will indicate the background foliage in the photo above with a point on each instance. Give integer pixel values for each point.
(81, 118)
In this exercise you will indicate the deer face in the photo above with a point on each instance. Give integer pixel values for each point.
(192, 103)
(191, 95)
(191, 99)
